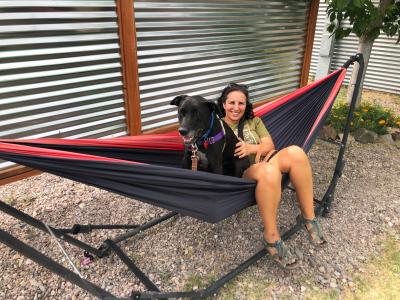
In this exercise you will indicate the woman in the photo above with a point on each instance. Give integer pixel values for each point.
(237, 109)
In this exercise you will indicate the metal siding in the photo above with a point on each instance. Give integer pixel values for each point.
(198, 47)
(383, 71)
(319, 30)
(60, 70)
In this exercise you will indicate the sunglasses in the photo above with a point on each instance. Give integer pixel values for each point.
(239, 86)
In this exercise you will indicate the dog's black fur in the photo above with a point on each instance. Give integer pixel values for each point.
(194, 114)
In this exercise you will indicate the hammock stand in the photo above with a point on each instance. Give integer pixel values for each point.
(111, 245)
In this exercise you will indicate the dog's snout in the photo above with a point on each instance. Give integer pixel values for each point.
(183, 131)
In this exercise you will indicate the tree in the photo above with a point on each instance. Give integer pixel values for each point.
(367, 20)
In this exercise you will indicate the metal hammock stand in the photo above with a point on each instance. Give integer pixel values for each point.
(111, 245)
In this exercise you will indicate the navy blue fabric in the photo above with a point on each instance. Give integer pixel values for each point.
(206, 196)
(290, 123)
(209, 197)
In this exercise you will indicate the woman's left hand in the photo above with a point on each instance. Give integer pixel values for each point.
(243, 149)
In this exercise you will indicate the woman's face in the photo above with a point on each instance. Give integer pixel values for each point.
(234, 106)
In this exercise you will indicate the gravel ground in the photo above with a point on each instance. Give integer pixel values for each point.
(184, 252)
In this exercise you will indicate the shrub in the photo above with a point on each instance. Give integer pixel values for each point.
(369, 116)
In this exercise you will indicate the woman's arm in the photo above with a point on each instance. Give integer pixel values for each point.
(243, 149)
(265, 147)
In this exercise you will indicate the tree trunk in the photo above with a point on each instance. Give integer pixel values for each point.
(364, 47)
(365, 43)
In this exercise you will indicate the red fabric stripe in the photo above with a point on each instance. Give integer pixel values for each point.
(41, 152)
(329, 101)
(263, 109)
(167, 141)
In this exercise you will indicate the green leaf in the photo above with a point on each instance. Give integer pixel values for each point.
(331, 27)
(332, 17)
(357, 3)
(393, 30)
(347, 31)
(374, 33)
(342, 4)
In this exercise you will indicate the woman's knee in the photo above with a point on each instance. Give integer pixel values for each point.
(297, 154)
(263, 172)
(270, 174)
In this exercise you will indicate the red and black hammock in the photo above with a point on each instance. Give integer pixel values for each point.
(148, 167)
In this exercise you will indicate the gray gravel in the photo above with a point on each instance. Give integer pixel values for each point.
(184, 252)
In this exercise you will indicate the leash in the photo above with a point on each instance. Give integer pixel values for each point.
(194, 157)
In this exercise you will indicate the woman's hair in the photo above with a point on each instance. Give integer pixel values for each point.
(231, 87)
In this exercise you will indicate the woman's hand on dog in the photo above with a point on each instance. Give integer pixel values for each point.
(243, 149)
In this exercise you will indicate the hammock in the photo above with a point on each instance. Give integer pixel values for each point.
(148, 167)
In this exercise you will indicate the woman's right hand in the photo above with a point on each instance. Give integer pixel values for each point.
(243, 149)
(266, 146)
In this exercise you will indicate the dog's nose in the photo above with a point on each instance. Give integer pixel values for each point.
(183, 131)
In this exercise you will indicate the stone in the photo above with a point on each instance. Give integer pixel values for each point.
(394, 132)
(333, 284)
(397, 143)
(385, 139)
(365, 136)
(350, 138)
(328, 133)
(321, 269)
(312, 262)
(396, 136)
(299, 253)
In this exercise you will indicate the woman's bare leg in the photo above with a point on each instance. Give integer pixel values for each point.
(268, 196)
(294, 161)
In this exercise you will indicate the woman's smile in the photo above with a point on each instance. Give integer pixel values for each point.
(234, 106)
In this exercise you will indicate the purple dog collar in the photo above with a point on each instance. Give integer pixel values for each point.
(213, 139)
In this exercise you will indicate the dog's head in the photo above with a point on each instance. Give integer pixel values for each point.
(194, 113)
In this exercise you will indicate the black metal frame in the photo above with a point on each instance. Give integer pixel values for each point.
(111, 245)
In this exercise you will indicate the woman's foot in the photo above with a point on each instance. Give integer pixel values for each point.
(281, 254)
(314, 230)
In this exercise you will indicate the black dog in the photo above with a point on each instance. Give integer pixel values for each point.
(210, 137)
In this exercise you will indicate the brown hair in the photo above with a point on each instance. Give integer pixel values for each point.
(231, 87)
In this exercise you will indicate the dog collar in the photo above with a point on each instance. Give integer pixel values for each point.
(213, 139)
(205, 140)
(204, 137)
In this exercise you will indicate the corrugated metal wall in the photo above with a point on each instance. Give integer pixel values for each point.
(383, 72)
(60, 70)
(197, 47)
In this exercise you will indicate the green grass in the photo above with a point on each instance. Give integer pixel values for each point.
(381, 280)
(249, 287)
(196, 282)
(10, 200)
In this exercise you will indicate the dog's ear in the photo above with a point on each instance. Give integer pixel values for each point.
(177, 100)
(213, 104)
(219, 112)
